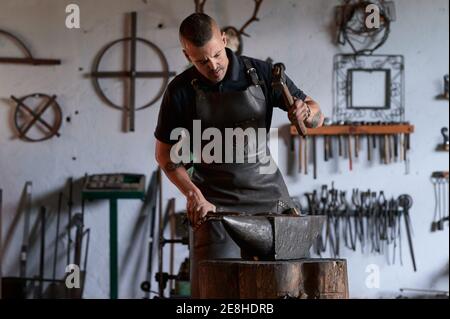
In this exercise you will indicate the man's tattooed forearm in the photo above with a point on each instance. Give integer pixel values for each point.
(316, 119)
(170, 167)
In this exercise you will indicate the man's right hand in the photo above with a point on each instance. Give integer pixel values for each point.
(197, 208)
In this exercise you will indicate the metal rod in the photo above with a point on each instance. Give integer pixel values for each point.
(349, 147)
(26, 230)
(55, 257)
(306, 155)
(30, 61)
(69, 224)
(172, 221)
(132, 106)
(152, 198)
(300, 152)
(160, 208)
(88, 238)
(1, 242)
(42, 254)
(314, 157)
(137, 74)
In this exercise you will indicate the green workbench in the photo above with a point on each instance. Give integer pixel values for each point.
(96, 187)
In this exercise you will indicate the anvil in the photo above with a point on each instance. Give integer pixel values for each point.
(271, 236)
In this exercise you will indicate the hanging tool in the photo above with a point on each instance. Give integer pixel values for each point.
(357, 145)
(382, 149)
(55, 257)
(349, 150)
(26, 231)
(437, 202)
(340, 144)
(69, 220)
(388, 149)
(51, 291)
(306, 155)
(326, 141)
(1, 242)
(440, 182)
(300, 152)
(445, 144)
(406, 149)
(369, 149)
(314, 156)
(161, 277)
(405, 201)
(330, 142)
(279, 83)
(395, 137)
(151, 200)
(349, 240)
(77, 222)
(172, 223)
(291, 159)
(40, 278)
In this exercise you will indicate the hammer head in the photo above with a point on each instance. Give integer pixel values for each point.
(278, 75)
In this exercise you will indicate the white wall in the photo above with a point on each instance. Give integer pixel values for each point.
(295, 32)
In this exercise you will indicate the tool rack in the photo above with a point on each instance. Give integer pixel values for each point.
(359, 130)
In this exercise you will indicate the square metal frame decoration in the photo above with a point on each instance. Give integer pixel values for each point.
(344, 67)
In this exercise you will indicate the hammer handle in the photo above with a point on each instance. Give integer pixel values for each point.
(289, 101)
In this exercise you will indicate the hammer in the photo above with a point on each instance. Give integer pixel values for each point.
(279, 83)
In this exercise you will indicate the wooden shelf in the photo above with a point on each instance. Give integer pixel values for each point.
(359, 130)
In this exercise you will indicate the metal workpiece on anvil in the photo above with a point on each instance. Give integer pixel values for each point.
(271, 236)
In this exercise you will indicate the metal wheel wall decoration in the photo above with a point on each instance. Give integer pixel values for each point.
(390, 67)
(132, 74)
(234, 35)
(353, 28)
(28, 59)
(37, 117)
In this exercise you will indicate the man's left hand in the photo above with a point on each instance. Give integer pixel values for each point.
(307, 111)
(299, 112)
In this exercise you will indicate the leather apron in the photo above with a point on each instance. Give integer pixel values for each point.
(235, 187)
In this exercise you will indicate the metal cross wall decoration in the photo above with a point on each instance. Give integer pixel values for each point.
(28, 59)
(36, 116)
(132, 74)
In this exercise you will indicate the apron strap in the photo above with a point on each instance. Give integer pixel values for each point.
(251, 71)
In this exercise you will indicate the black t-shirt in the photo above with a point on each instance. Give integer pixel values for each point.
(178, 105)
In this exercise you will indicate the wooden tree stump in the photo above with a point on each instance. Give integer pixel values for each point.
(299, 279)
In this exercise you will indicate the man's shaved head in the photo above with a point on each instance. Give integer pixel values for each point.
(198, 29)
